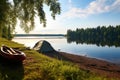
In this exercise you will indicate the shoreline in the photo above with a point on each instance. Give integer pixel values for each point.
(117, 63)
(97, 66)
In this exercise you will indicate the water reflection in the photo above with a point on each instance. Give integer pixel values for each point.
(106, 50)
(98, 42)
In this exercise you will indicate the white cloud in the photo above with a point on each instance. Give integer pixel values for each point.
(95, 7)
(116, 5)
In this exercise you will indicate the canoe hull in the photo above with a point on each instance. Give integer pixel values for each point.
(19, 56)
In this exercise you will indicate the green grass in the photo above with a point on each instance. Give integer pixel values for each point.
(40, 67)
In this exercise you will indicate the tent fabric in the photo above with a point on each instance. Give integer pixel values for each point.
(43, 46)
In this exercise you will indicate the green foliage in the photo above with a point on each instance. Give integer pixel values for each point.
(7, 19)
(101, 35)
(6, 32)
(24, 11)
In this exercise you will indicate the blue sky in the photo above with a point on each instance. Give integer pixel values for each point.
(80, 14)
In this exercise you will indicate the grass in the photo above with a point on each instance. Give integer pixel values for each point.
(40, 67)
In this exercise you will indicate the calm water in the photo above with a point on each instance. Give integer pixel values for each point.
(111, 54)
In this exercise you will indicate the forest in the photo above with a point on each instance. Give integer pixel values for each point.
(101, 36)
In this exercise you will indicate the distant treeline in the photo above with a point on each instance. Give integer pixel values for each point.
(6, 32)
(18, 35)
(101, 35)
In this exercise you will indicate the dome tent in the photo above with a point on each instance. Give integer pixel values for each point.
(43, 46)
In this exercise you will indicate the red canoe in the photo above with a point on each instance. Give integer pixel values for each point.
(12, 54)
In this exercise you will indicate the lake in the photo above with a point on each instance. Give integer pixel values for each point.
(109, 53)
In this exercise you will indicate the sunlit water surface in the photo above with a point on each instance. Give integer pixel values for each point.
(111, 54)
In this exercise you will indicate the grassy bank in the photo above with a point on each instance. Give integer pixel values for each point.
(40, 67)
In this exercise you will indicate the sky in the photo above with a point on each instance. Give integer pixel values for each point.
(79, 14)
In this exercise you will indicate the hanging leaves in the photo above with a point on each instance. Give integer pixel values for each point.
(25, 11)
